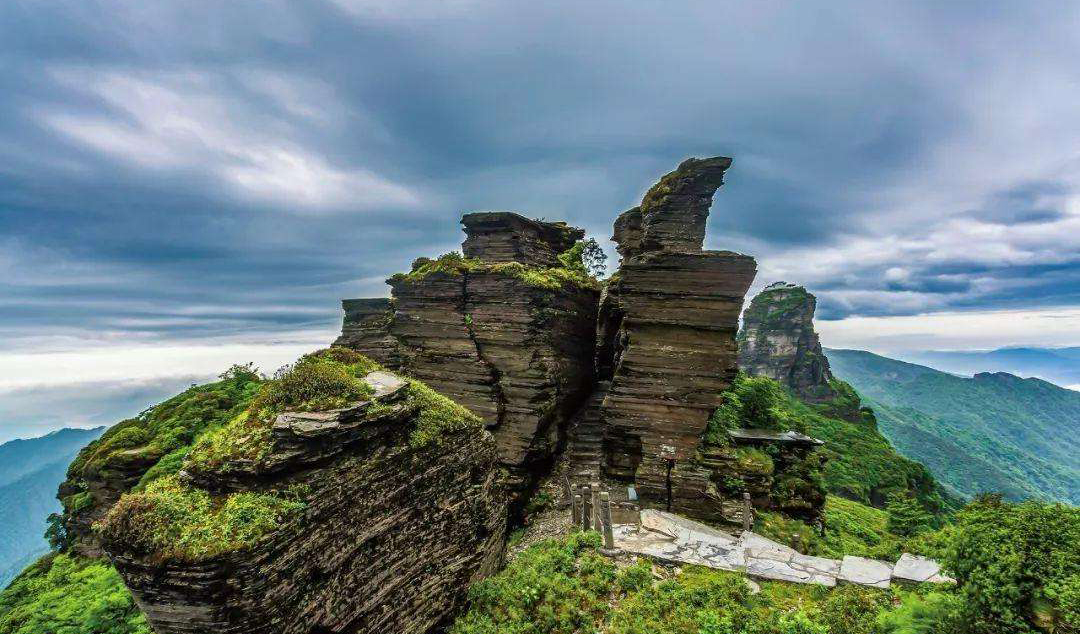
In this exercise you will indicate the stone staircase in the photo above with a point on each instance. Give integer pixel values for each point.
(587, 438)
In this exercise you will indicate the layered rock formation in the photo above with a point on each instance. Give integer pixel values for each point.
(499, 236)
(666, 340)
(490, 332)
(389, 536)
(778, 341)
(366, 327)
(505, 332)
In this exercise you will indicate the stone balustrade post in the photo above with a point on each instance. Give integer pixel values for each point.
(605, 520)
(575, 509)
(586, 508)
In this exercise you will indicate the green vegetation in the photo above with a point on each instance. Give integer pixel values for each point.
(439, 416)
(168, 427)
(994, 432)
(851, 528)
(752, 401)
(176, 521)
(63, 594)
(573, 270)
(861, 464)
(320, 381)
(1018, 566)
(565, 587)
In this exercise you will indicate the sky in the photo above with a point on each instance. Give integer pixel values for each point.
(185, 185)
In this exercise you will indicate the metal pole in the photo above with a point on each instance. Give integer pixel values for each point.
(746, 512)
(605, 520)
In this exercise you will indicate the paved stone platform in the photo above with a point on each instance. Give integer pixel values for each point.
(673, 539)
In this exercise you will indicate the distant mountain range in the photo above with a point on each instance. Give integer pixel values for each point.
(1056, 365)
(30, 471)
(992, 432)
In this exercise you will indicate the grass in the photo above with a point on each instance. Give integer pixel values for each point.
(563, 586)
(173, 520)
(64, 594)
(550, 278)
(169, 427)
(320, 381)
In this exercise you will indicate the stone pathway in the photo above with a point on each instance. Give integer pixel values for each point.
(673, 539)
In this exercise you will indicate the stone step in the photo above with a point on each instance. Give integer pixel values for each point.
(586, 445)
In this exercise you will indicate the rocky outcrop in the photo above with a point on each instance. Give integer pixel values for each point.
(489, 332)
(390, 536)
(501, 331)
(666, 340)
(499, 236)
(778, 341)
(366, 327)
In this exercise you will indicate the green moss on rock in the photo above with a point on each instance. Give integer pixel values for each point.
(174, 520)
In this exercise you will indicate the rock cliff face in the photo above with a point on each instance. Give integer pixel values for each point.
(501, 331)
(487, 331)
(500, 236)
(778, 341)
(666, 340)
(366, 327)
(388, 536)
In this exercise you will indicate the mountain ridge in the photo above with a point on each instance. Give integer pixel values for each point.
(1011, 434)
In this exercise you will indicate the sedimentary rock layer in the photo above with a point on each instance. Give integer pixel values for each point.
(517, 351)
(667, 344)
(366, 327)
(390, 539)
(778, 341)
(508, 237)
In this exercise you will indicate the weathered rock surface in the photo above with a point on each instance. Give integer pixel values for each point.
(366, 327)
(518, 354)
(500, 236)
(666, 339)
(865, 572)
(389, 541)
(915, 569)
(677, 540)
(778, 341)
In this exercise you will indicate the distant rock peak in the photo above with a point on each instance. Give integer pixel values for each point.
(778, 341)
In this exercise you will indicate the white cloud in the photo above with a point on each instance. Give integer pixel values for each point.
(955, 330)
(124, 361)
(180, 121)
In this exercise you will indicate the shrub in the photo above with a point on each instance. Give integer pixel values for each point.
(906, 515)
(555, 587)
(177, 521)
(936, 613)
(1017, 566)
(65, 594)
(756, 402)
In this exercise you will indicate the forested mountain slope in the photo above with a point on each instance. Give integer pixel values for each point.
(992, 432)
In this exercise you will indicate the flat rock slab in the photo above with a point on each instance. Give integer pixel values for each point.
(865, 572)
(384, 383)
(915, 569)
(684, 529)
(674, 539)
(720, 554)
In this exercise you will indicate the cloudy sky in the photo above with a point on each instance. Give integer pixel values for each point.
(188, 184)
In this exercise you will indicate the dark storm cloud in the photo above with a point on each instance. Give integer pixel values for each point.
(181, 169)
